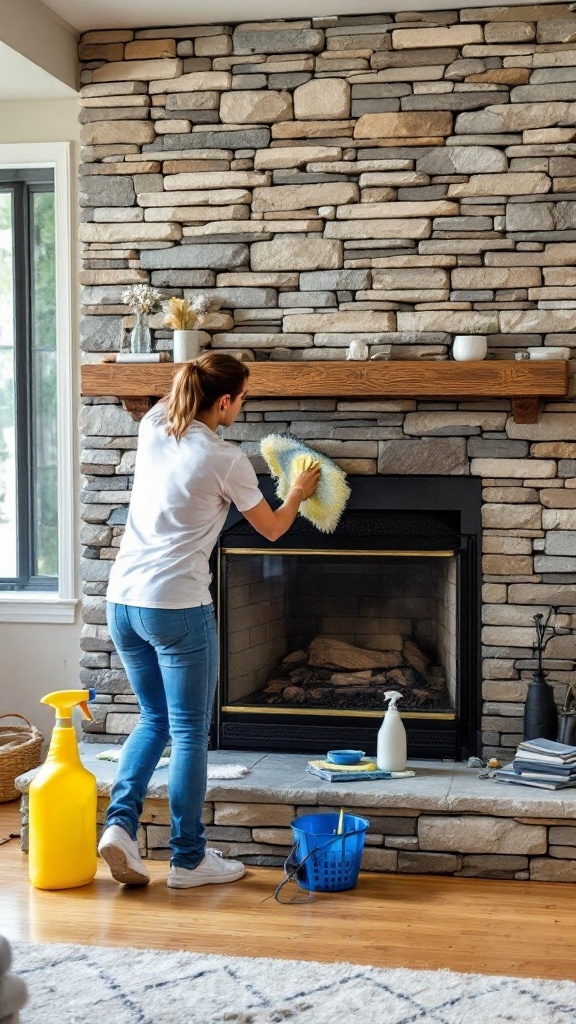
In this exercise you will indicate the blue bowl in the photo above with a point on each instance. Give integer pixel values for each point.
(345, 756)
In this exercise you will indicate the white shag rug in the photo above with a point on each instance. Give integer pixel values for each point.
(91, 984)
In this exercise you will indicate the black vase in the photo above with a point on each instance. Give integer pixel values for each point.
(540, 711)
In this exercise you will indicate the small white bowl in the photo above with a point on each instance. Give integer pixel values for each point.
(467, 347)
(549, 352)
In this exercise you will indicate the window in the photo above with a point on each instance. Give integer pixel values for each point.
(28, 439)
(36, 410)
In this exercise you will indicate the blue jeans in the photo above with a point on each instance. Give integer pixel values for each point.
(170, 657)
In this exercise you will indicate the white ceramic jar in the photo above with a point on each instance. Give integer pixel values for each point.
(357, 349)
(187, 344)
(469, 346)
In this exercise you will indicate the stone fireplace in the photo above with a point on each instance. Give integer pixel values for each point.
(397, 178)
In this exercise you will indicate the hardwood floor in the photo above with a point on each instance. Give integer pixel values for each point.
(491, 927)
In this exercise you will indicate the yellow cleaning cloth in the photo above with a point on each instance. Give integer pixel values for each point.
(365, 765)
(286, 458)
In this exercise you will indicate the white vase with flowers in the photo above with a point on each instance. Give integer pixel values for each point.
(185, 318)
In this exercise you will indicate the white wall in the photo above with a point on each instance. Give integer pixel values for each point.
(40, 121)
(35, 659)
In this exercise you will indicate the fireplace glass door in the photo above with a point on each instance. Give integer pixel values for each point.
(334, 631)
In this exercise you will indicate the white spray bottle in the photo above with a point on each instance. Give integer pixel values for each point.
(391, 748)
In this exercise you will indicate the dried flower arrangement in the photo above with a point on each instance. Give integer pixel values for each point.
(182, 315)
(546, 630)
(179, 314)
(142, 298)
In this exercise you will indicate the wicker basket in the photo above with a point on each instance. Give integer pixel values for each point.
(19, 752)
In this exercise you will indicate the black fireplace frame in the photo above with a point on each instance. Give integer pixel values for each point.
(457, 502)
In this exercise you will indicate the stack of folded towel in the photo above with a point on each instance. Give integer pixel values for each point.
(365, 770)
(12, 989)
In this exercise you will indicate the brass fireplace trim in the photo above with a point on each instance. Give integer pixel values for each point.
(446, 716)
(353, 551)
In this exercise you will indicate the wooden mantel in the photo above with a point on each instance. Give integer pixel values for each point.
(524, 381)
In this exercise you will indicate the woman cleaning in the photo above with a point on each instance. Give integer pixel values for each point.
(160, 612)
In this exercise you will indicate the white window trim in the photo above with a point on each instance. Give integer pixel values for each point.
(42, 606)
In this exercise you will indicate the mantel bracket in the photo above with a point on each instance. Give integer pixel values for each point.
(138, 406)
(525, 409)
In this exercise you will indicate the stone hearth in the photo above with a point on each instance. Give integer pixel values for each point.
(444, 821)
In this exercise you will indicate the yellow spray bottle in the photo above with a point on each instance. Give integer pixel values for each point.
(63, 800)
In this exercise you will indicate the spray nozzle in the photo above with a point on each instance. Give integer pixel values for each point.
(64, 701)
(393, 696)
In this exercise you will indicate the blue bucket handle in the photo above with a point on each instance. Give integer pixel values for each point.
(292, 867)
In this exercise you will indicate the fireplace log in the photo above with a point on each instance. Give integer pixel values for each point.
(296, 658)
(294, 695)
(415, 656)
(327, 653)
(298, 680)
(399, 677)
(301, 675)
(318, 695)
(349, 678)
(275, 686)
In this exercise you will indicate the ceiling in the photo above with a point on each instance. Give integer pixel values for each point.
(92, 14)
(24, 79)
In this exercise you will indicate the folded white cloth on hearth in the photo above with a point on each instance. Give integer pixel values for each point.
(215, 771)
(227, 771)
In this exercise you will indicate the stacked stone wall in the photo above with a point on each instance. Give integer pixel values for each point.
(403, 840)
(397, 178)
(398, 840)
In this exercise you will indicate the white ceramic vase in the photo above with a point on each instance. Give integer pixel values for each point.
(469, 346)
(187, 344)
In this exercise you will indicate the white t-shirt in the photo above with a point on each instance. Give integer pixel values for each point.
(179, 503)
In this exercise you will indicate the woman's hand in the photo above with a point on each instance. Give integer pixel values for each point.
(308, 481)
(273, 524)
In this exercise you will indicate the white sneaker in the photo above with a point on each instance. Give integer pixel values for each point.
(122, 856)
(213, 870)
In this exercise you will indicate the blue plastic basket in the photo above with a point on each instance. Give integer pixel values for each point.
(326, 862)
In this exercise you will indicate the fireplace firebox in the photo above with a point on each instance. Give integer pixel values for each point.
(315, 628)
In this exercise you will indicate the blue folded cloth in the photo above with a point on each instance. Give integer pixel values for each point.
(339, 776)
(346, 776)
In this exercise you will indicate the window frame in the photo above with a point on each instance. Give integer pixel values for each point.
(40, 604)
(23, 189)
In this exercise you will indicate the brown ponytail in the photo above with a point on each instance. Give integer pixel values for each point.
(199, 385)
